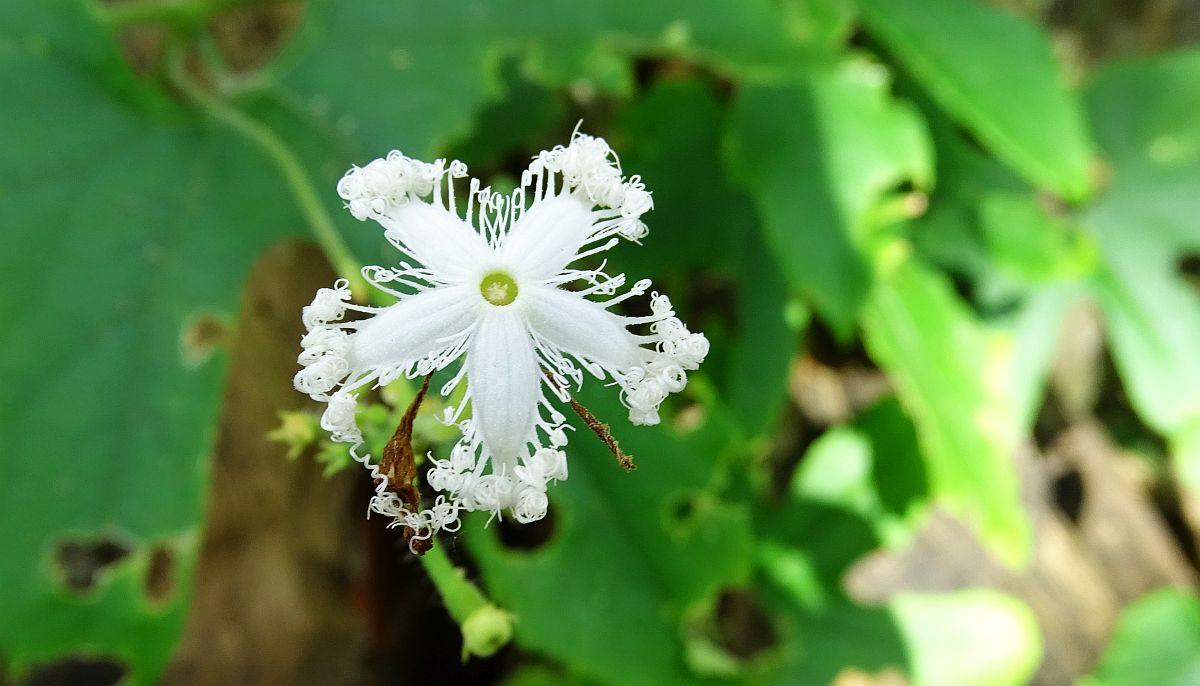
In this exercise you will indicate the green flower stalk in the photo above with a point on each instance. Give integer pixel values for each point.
(485, 627)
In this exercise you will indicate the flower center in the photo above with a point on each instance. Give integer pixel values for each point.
(498, 288)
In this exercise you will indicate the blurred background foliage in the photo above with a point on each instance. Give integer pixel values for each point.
(946, 252)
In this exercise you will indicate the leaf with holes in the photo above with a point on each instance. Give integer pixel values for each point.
(628, 551)
(996, 73)
(829, 517)
(133, 235)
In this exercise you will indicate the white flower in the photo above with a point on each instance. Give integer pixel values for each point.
(493, 289)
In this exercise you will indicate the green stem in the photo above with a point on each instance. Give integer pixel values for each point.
(485, 627)
(462, 597)
(298, 181)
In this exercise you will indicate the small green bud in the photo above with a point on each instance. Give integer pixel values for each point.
(297, 430)
(486, 631)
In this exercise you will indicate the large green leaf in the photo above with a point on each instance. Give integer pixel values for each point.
(996, 72)
(1153, 320)
(765, 337)
(412, 75)
(1157, 641)
(950, 234)
(1146, 223)
(950, 379)
(702, 227)
(817, 155)
(1142, 111)
(127, 240)
(629, 552)
(670, 136)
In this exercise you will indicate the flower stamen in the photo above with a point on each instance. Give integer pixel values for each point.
(498, 288)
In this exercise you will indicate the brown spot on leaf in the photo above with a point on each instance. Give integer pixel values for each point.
(249, 37)
(682, 509)
(1189, 269)
(160, 574)
(690, 417)
(201, 335)
(80, 562)
(743, 628)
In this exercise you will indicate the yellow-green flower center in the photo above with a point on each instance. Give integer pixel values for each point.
(498, 288)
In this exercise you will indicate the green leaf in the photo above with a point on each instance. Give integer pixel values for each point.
(764, 340)
(897, 468)
(836, 470)
(535, 675)
(819, 646)
(951, 382)
(1153, 322)
(978, 637)
(1185, 452)
(1146, 223)
(69, 30)
(698, 218)
(514, 125)
(996, 72)
(701, 222)
(807, 547)
(1029, 244)
(1142, 111)
(133, 236)
(628, 551)
(832, 517)
(949, 234)
(817, 155)
(847, 467)
(1026, 340)
(379, 76)
(1157, 641)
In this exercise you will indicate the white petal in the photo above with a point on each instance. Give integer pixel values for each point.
(440, 240)
(504, 382)
(582, 328)
(547, 236)
(413, 327)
